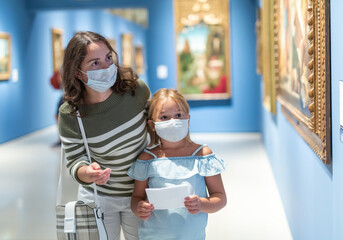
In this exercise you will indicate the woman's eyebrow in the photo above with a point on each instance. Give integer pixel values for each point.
(93, 59)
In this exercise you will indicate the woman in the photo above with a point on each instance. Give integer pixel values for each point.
(111, 101)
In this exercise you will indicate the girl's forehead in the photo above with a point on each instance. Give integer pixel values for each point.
(168, 105)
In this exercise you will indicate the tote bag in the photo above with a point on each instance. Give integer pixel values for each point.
(77, 220)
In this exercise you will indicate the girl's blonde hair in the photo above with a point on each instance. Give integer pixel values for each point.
(160, 97)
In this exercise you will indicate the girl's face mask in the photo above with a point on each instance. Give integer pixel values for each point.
(172, 130)
(101, 80)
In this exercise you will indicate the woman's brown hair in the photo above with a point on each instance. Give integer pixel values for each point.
(159, 98)
(75, 53)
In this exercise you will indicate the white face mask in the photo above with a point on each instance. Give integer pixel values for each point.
(172, 130)
(101, 80)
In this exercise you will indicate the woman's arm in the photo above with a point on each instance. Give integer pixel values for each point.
(139, 206)
(211, 204)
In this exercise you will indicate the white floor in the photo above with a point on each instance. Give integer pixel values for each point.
(30, 171)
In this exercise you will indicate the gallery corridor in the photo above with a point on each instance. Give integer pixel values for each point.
(30, 171)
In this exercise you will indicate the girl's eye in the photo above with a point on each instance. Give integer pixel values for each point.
(164, 117)
(178, 115)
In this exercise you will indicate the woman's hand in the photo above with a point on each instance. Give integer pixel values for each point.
(193, 204)
(144, 210)
(93, 174)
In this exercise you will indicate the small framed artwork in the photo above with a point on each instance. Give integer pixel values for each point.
(267, 60)
(57, 48)
(127, 50)
(139, 60)
(5, 56)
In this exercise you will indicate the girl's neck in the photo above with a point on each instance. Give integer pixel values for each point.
(92, 97)
(165, 145)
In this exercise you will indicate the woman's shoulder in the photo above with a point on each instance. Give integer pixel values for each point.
(143, 87)
(65, 108)
(142, 91)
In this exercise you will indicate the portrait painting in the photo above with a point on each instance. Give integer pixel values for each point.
(57, 48)
(127, 50)
(139, 60)
(5, 56)
(202, 49)
(303, 67)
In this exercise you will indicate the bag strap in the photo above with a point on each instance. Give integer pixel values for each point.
(88, 153)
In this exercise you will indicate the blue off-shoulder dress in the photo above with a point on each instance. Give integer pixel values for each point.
(177, 223)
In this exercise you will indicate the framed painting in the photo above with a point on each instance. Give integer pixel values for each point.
(139, 60)
(268, 55)
(303, 70)
(127, 50)
(5, 56)
(203, 49)
(258, 42)
(57, 49)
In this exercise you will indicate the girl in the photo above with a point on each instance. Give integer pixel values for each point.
(175, 160)
(111, 101)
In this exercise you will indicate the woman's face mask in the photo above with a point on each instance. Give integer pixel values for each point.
(101, 80)
(172, 130)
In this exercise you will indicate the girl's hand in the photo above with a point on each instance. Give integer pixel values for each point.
(144, 210)
(193, 204)
(94, 174)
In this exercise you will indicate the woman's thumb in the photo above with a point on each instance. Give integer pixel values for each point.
(95, 166)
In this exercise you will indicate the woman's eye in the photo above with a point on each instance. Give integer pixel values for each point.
(164, 117)
(178, 115)
(95, 63)
(109, 58)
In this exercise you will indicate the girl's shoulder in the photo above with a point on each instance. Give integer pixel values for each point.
(204, 150)
(145, 156)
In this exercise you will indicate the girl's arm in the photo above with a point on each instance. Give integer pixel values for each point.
(139, 206)
(211, 204)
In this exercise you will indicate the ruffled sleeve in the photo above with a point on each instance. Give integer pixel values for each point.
(177, 167)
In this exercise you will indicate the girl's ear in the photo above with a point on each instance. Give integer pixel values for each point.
(151, 125)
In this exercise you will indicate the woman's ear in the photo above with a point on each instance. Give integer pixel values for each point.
(78, 75)
(151, 125)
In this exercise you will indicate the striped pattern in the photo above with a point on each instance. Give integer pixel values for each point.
(86, 226)
(116, 134)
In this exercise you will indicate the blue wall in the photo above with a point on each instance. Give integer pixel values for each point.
(312, 196)
(337, 150)
(30, 104)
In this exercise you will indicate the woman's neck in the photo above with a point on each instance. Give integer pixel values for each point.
(91, 97)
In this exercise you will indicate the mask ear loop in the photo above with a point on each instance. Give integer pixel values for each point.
(81, 78)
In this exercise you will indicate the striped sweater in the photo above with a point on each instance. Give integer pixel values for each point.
(116, 133)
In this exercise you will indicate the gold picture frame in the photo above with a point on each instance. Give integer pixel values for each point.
(5, 56)
(268, 56)
(139, 60)
(127, 50)
(57, 48)
(303, 70)
(203, 49)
